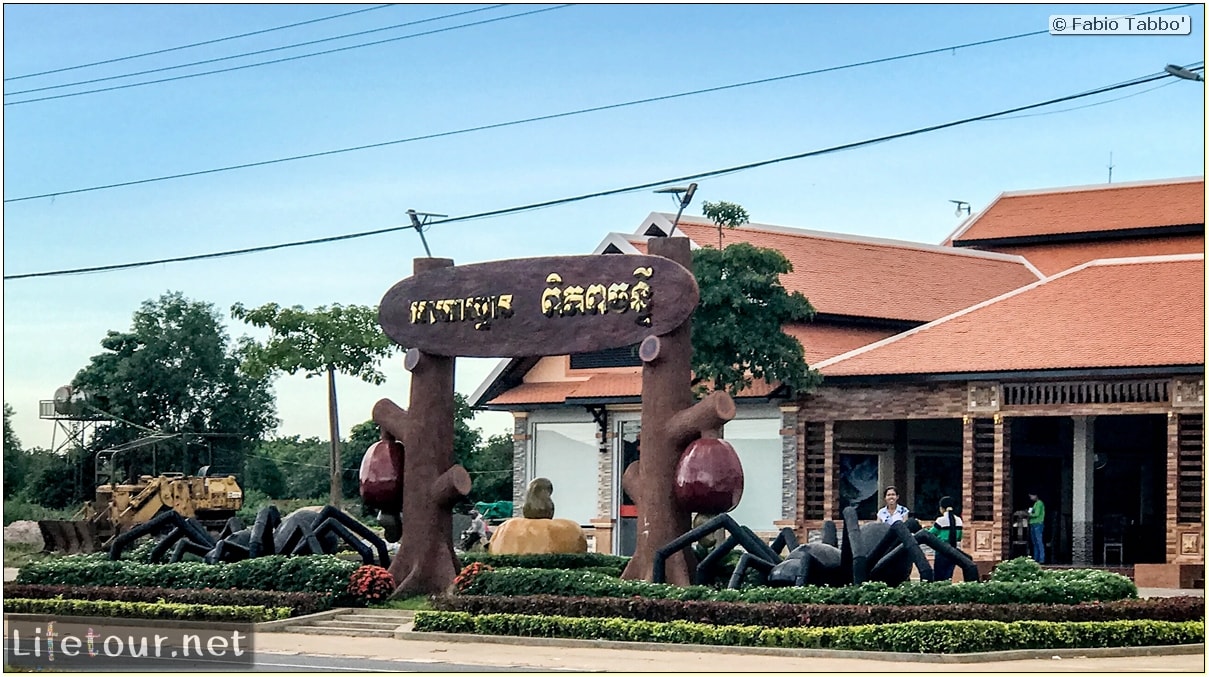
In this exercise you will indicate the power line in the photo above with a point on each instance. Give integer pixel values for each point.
(285, 59)
(540, 118)
(605, 193)
(244, 54)
(511, 123)
(196, 44)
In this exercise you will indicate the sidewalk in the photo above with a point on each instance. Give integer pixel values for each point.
(542, 654)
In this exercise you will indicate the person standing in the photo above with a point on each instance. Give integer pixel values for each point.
(892, 512)
(947, 528)
(1036, 527)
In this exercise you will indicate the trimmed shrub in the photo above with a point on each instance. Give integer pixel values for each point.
(937, 637)
(370, 583)
(589, 560)
(1067, 589)
(817, 615)
(148, 610)
(300, 603)
(310, 573)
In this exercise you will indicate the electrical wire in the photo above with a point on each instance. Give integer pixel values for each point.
(257, 52)
(616, 191)
(540, 118)
(195, 44)
(288, 58)
(511, 123)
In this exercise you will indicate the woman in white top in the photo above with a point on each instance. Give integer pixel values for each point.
(892, 512)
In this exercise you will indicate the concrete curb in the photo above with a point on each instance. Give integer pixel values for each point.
(981, 657)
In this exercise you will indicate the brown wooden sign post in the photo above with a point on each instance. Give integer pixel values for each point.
(670, 421)
(533, 307)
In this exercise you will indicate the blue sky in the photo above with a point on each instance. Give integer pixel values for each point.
(540, 64)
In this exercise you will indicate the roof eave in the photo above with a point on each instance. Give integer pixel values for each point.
(1025, 374)
(1085, 236)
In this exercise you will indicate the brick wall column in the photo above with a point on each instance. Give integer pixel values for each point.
(1002, 466)
(1172, 483)
(1083, 491)
(791, 469)
(604, 470)
(831, 492)
(520, 460)
(967, 469)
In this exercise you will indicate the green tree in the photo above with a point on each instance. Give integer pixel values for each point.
(738, 325)
(345, 339)
(176, 372)
(302, 462)
(14, 456)
(490, 468)
(262, 473)
(489, 464)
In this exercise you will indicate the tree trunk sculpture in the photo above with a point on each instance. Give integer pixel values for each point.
(432, 482)
(670, 421)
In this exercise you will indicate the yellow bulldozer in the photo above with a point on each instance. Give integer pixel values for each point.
(118, 507)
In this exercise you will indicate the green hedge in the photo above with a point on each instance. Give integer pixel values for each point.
(936, 637)
(588, 560)
(1100, 586)
(147, 610)
(777, 615)
(300, 603)
(310, 573)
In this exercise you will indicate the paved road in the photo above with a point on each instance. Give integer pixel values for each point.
(655, 658)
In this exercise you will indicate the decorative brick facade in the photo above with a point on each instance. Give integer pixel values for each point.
(520, 460)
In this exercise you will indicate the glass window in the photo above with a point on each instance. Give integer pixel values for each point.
(566, 454)
(859, 484)
(758, 443)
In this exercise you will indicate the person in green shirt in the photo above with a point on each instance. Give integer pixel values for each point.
(1036, 525)
(947, 528)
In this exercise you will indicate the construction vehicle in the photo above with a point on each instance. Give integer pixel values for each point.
(118, 507)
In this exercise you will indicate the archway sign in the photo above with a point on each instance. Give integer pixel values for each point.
(535, 307)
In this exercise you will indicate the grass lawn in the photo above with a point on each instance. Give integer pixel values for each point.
(19, 554)
(417, 603)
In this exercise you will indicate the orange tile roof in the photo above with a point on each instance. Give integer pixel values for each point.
(598, 386)
(1052, 259)
(1089, 209)
(1111, 313)
(609, 385)
(537, 393)
(876, 278)
(821, 341)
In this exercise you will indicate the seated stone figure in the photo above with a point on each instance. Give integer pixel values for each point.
(538, 532)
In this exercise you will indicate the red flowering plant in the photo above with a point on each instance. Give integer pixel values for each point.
(465, 580)
(370, 583)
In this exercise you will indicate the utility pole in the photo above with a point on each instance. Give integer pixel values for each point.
(337, 489)
(1110, 166)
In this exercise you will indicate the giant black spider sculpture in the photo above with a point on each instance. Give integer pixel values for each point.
(873, 552)
(303, 532)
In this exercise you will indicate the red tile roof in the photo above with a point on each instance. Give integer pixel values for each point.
(1054, 258)
(821, 341)
(1110, 313)
(1089, 209)
(869, 277)
(537, 393)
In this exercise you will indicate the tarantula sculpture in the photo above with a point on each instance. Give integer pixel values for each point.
(875, 551)
(303, 532)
